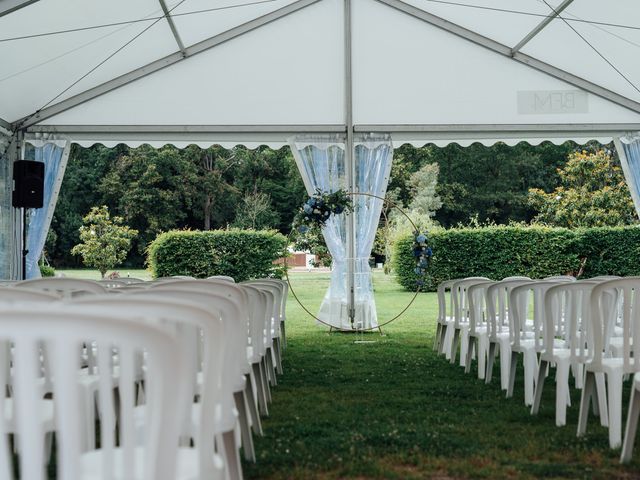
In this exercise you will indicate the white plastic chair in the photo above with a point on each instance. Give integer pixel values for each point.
(444, 320)
(603, 313)
(273, 320)
(566, 329)
(526, 336)
(222, 277)
(478, 326)
(201, 332)
(461, 317)
(498, 309)
(63, 331)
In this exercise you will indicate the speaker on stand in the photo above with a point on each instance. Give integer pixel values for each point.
(28, 192)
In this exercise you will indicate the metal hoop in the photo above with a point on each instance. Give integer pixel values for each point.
(368, 329)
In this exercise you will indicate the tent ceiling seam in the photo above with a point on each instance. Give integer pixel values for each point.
(328, 128)
(172, 26)
(162, 63)
(530, 128)
(555, 13)
(10, 6)
(504, 50)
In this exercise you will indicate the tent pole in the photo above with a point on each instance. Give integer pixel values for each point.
(349, 164)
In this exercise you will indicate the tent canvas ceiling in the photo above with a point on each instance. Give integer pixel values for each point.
(423, 70)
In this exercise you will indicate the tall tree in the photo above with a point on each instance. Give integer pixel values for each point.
(592, 193)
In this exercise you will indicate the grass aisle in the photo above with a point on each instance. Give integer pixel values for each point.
(393, 409)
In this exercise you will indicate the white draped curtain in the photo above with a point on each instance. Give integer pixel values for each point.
(628, 147)
(321, 161)
(7, 250)
(54, 153)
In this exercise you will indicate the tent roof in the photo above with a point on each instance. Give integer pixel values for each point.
(258, 71)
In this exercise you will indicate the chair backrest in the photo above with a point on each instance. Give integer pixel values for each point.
(459, 294)
(201, 332)
(562, 278)
(275, 292)
(222, 277)
(521, 299)
(67, 287)
(567, 318)
(498, 307)
(18, 294)
(442, 290)
(112, 283)
(63, 330)
(477, 299)
(284, 290)
(259, 320)
(604, 312)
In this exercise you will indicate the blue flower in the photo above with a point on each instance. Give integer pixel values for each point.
(311, 202)
(429, 252)
(418, 271)
(303, 229)
(421, 238)
(307, 208)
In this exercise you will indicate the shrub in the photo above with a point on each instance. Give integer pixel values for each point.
(241, 254)
(46, 270)
(497, 252)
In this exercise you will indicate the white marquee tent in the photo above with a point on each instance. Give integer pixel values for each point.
(258, 72)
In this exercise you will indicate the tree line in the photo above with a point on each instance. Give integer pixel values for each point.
(156, 190)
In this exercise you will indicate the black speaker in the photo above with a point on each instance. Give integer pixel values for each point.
(28, 184)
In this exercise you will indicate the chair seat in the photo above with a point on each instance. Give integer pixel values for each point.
(187, 465)
(223, 423)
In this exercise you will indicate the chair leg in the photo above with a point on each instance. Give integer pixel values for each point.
(585, 400)
(265, 378)
(231, 457)
(562, 392)
(260, 387)
(539, 386)
(530, 361)
(252, 401)
(492, 356)
(454, 345)
(601, 404)
(473, 342)
(283, 335)
(464, 346)
(245, 432)
(277, 345)
(632, 426)
(271, 369)
(436, 339)
(614, 391)
(512, 373)
(505, 365)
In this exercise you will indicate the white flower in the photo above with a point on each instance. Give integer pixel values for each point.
(316, 211)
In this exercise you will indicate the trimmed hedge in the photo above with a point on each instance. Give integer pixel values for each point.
(241, 254)
(537, 252)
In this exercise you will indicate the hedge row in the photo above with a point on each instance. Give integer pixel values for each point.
(241, 254)
(537, 252)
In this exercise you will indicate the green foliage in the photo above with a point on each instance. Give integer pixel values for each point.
(47, 270)
(592, 193)
(105, 240)
(537, 252)
(241, 254)
(489, 182)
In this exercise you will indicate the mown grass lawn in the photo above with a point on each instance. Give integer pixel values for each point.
(393, 409)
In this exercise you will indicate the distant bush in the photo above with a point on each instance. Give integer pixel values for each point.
(241, 254)
(499, 251)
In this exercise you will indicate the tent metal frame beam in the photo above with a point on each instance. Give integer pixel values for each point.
(6, 125)
(172, 26)
(186, 129)
(529, 128)
(506, 51)
(167, 61)
(10, 6)
(540, 26)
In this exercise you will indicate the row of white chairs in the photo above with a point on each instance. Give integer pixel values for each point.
(588, 327)
(178, 371)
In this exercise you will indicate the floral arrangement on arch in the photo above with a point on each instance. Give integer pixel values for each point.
(422, 253)
(319, 208)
